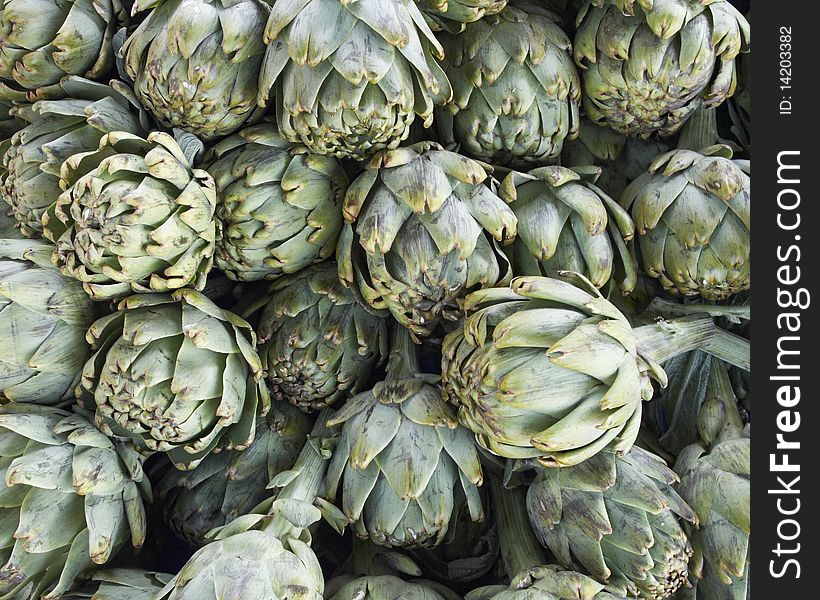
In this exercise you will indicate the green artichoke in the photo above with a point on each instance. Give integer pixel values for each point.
(317, 343)
(175, 373)
(423, 232)
(72, 498)
(384, 587)
(349, 77)
(567, 223)
(547, 582)
(41, 41)
(229, 484)
(43, 320)
(617, 516)
(121, 584)
(452, 15)
(195, 63)
(402, 463)
(648, 65)
(266, 555)
(55, 130)
(693, 215)
(280, 207)
(551, 370)
(516, 91)
(135, 217)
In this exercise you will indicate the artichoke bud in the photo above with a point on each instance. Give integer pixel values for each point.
(513, 104)
(280, 207)
(423, 232)
(66, 486)
(175, 373)
(692, 211)
(546, 582)
(385, 587)
(135, 216)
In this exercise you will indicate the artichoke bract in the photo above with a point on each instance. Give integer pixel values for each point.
(229, 484)
(516, 91)
(266, 555)
(72, 498)
(121, 584)
(550, 369)
(567, 223)
(349, 77)
(402, 462)
(41, 42)
(627, 533)
(648, 65)
(176, 374)
(422, 232)
(134, 217)
(280, 207)
(451, 15)
(195, 63)
(53, 131)
(43, 320)
(317, 342)
(384, 587)
(692, 211)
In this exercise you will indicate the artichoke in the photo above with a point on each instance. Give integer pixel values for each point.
(567, 223)
(617, 517)
(55, 130)
(349, 77)
(40, 42)
(423, 232)
(72, 498)
(175, 373)
(230, 484)
(402, 460)
(265, 555)
(135, 217)
(43, 320)
(516, 91)
(546, 582)
(195, 63)
(121, 584)
(693, 215)
(648, 65)
(452, 15)
(317, 343)
(550, 369)
(384, 587)
(280, 207)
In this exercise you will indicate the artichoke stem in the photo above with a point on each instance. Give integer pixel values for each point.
(364, 559)
(217, 287)
(722, 391)
(311, 464)
(731, 348)
(666, 339)
(520, 549)
(700, 130)
(404, 357)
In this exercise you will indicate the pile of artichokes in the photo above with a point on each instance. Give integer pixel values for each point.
(374, 300)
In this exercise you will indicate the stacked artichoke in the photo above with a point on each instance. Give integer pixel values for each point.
(378, 299)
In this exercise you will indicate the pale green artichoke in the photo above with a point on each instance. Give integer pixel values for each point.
(71, 499)
(121, 584)
(43, 320)
(176, 374)
(516, 91)
(567, 223)
(648, 65)
(135, 217)
(692, 211)
(385, 587)
(402, 462)
(55, 130)
(229, 484)
(349, 77)
(280, 207)
(551, 370)
(617, 516)
(318, 344)
(423, 232)
(195, 63)
(546, 582)
(43, 40)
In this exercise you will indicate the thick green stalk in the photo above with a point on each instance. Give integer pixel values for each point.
(700, 130)
(665, 339)
(730, 348)
(404, 357)
(729, 425)
(311, 464)
(520, 549)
